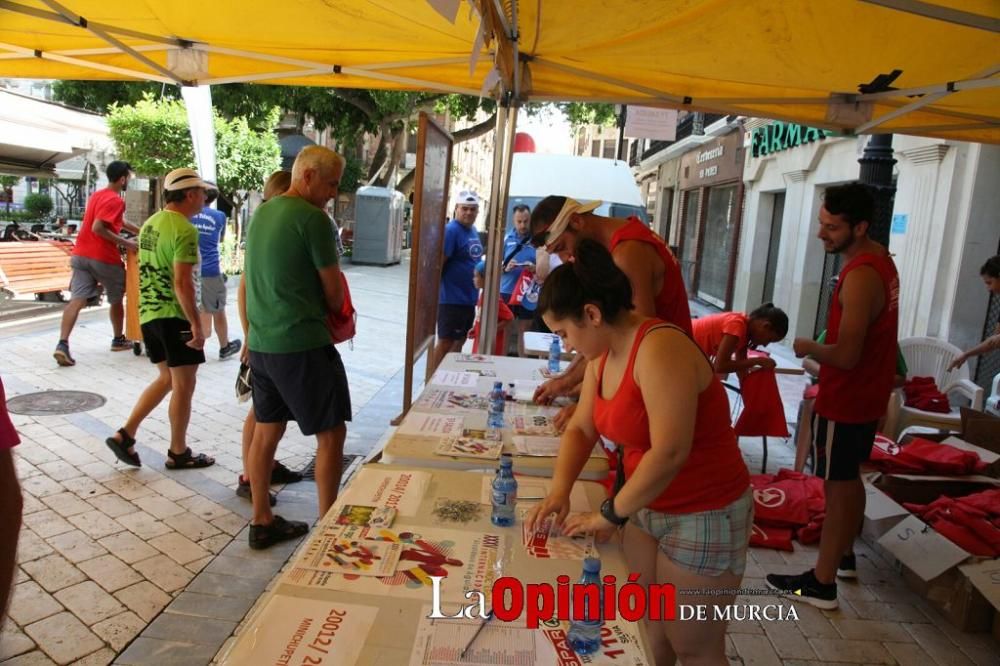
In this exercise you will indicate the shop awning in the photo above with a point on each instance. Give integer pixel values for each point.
(931, 68)
(36, 135)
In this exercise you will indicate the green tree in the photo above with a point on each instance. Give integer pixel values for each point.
(7, 183)
(244, 159)
(154, 137)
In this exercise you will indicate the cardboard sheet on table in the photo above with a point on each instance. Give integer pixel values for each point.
(544, 447)
(402, 490)
(287, 628)
(456, 378)
(439, 643)
(428, 424)
(534, 489)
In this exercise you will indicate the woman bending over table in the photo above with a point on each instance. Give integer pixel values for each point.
(686, 495)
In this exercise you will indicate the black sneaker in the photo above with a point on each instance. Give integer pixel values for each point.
(281, 474)
(805, 587)
(265, 536)
(62, 355)
(848, 567)
(230, 349)
(243, 490)
(121, 343)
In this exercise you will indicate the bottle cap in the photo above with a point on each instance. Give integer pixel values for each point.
(592, 565)
(506, 459)
(498, 385)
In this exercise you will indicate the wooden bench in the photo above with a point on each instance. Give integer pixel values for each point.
(34, 267)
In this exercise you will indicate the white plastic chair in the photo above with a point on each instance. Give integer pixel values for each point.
(930, 357)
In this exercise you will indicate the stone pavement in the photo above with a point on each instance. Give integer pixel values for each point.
(151, 566)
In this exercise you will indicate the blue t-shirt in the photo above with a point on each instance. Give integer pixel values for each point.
(462, 250)
(508, 279)
(211, 226)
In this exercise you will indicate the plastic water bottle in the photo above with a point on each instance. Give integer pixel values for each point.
(555, 354)
(494, 416)
(584, 635)
(504, 493)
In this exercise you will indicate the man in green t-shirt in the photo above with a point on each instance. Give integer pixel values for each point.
(291, 281)
(168, 312)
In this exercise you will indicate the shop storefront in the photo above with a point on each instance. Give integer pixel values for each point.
(944, 227)
(709, 218)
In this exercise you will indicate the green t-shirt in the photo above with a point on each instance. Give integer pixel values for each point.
(166, 238)
(288, 242)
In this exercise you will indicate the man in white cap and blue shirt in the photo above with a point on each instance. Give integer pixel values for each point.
(457, 295)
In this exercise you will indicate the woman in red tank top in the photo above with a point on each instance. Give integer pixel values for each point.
(652, 392)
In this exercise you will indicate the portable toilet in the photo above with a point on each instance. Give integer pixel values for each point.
(378, 226)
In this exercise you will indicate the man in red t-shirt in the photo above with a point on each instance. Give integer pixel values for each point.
(857, 367)
(96, 261)
(558, 223)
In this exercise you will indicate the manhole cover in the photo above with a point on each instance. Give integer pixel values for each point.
(48, 403)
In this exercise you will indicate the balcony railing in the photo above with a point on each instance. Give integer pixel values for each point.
(685, 127)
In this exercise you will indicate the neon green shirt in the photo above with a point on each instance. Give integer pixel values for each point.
(165, 239)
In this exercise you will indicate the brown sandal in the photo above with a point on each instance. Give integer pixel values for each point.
(187, 460)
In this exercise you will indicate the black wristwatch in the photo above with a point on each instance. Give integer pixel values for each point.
(608, 513)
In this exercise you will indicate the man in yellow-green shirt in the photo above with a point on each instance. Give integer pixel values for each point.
(168, 312)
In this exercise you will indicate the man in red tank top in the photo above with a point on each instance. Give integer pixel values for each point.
(857, 365)
(558, 223)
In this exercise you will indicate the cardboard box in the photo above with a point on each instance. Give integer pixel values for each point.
(981, 429)
(984, 578)
(929, 564)
(918, 489)
(882, 513)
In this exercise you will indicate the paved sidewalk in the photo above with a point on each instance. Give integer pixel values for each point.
(151, 566)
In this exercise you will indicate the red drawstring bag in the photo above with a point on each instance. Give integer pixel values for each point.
(342, 325)
(763, 413)
(521, 287)
(779, 503)
(776, 538)
(939, 458)
(811, 532)
(885, 458)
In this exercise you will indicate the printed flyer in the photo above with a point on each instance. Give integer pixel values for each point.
(465, 560)
(341, 549)
(290, 630)
(440, 400)
(424, 424)
(399, 490)
(470, 447)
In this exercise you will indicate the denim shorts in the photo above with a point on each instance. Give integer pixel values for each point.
(707, 543)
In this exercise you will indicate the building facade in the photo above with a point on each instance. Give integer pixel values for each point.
(945, 225)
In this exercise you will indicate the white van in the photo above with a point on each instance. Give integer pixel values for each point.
(534, 177)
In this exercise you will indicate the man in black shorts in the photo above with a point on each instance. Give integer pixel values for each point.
(857, 368)
(171, 325)
(292, 280)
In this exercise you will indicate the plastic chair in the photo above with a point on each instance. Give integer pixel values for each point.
(930, 357)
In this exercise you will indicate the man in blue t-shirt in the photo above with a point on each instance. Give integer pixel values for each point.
(457, 294)
(517, 246)
(211, 226)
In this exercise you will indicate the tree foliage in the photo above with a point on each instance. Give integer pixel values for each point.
(152, 135)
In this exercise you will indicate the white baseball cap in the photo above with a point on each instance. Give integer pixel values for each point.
(467, 198)
(570, 207)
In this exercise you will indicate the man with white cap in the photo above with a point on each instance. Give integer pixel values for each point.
(558, 223)
(171, 325)
(457, 295)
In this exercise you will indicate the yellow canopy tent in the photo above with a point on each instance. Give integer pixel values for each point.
(856, 66)
(789, 59)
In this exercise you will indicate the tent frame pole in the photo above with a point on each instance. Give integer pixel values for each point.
(503, 152)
